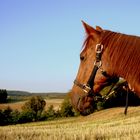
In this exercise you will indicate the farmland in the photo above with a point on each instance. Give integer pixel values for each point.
(105, 124)
(16, 99)
(18, 105)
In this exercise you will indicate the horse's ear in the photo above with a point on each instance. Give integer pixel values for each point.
(88, 28)
(98, 28)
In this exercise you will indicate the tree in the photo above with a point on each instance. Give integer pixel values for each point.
(3, 95)
(50, 113)
(66, 108)
(15, 116)
(6, 116)
(34, 107)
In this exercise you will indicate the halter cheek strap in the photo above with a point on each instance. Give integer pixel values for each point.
(97, 64)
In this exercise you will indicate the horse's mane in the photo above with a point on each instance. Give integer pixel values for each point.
(124, 53)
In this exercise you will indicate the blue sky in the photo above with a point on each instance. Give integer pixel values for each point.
(40, 40)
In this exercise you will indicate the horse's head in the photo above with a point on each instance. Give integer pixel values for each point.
(93, 72)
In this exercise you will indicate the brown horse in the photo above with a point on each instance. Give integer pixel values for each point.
(105, 57)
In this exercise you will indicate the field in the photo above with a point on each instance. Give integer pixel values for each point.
(18, 105)
(103, 125)
(16, 99)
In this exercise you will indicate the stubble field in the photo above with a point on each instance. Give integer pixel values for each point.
(103, 125)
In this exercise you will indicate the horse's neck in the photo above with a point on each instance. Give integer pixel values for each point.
(124, 55)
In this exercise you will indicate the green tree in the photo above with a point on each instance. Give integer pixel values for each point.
(50, 113)
(6, 116)
(15, 116)
(26, 116)
(34, 107)
(66, 108)
(3, 95)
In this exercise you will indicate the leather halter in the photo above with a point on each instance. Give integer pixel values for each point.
(87, 88)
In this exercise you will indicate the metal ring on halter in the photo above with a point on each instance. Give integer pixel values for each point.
(100, 47)
(86, 88)
(98, 64)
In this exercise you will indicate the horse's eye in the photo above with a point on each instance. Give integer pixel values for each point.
(82, 58)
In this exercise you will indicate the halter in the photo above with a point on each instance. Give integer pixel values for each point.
(87, 88)
(97, 64)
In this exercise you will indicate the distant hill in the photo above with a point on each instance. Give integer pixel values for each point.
(18, 93)
(25, 93)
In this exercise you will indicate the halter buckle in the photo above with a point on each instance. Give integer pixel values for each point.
(98, 64)
(86, 88)
(99, 48)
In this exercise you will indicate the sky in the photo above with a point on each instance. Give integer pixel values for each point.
(40, 40)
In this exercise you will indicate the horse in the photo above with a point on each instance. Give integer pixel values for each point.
(104, 58)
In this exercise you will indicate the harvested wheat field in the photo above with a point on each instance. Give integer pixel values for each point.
(18, 105)
(106, 124)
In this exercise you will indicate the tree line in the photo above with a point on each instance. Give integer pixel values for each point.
(33, 110)
(3, 96)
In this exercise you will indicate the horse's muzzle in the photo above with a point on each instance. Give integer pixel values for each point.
(85, 105)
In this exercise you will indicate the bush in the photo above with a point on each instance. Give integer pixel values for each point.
(6, 116)
(66, 108)
(34, 107)
(15, 116)
(26, 116)
(50, 113)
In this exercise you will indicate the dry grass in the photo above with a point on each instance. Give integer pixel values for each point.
(14, 106)
(18, 105)
(107, 124)
(55, 102)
